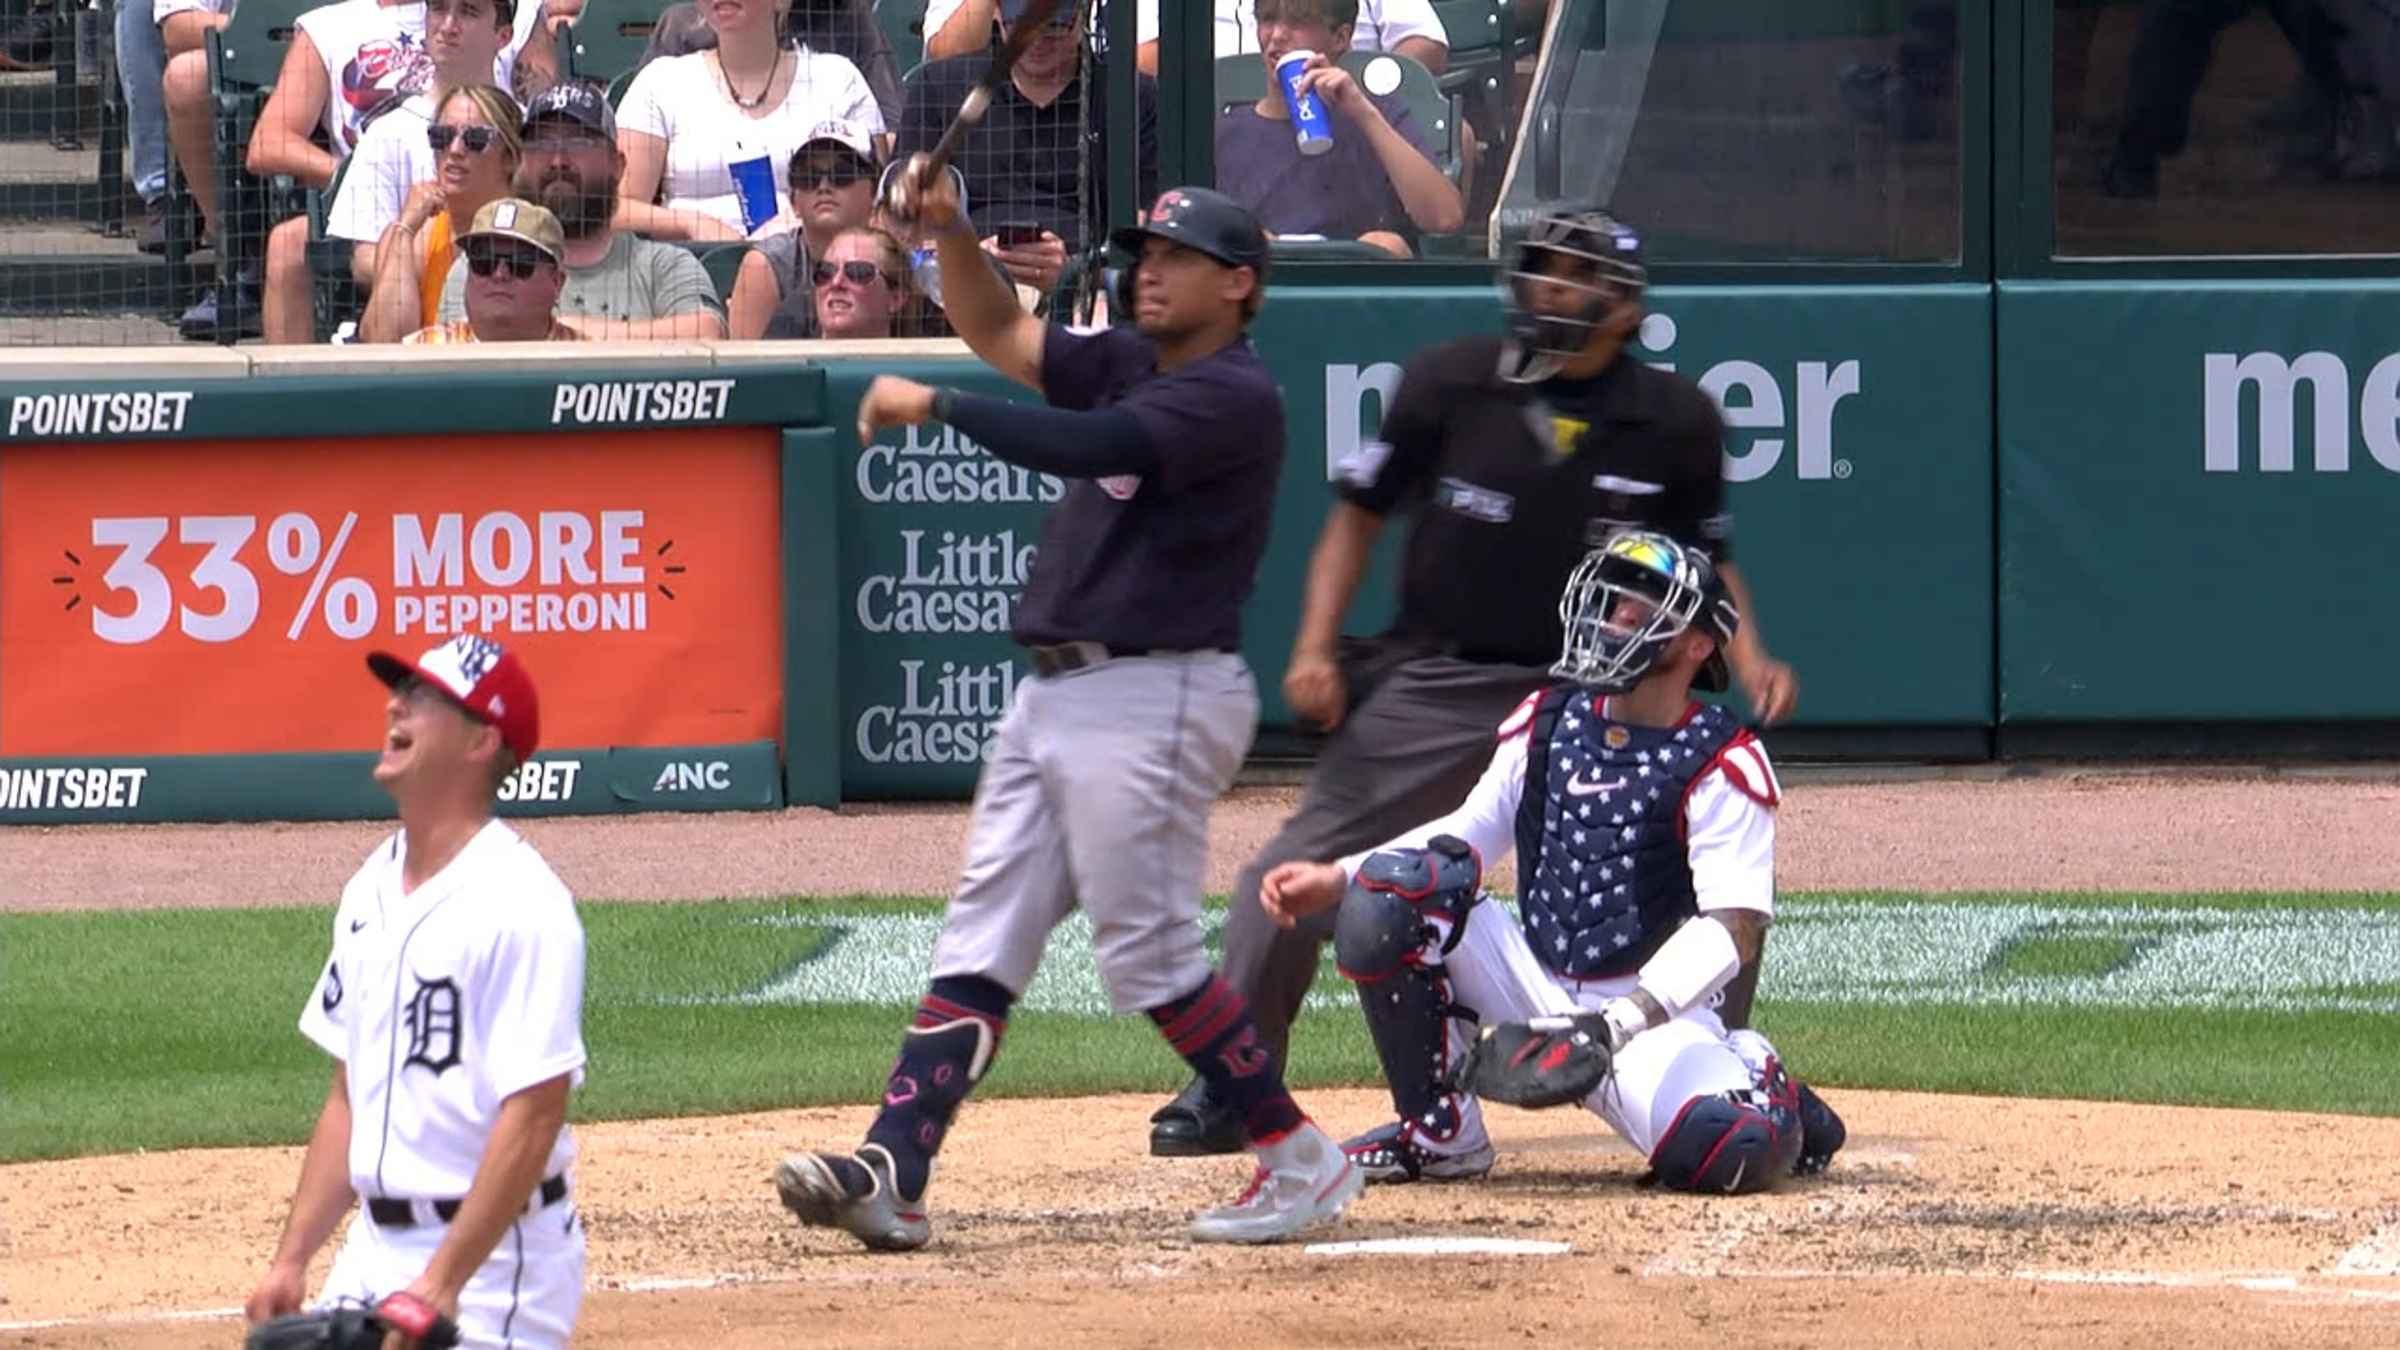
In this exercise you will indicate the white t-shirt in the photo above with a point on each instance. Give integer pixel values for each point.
(682, 101)
(160, 9)
(442, 1003)
(1381, 26)
(392, 157)
(1728, 817)
(373, 51)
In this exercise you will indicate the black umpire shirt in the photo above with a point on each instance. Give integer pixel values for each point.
(1022, 163)
(1162, 561)
(1512, 484)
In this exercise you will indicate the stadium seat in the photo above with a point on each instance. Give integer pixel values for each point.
(903, 24)
(606, 41)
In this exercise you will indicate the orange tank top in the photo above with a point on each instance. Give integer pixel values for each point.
(440, 249)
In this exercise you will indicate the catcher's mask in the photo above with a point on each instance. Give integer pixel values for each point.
(1629, 599)
(1585, 250)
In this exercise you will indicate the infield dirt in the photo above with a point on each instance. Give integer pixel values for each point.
(1949, 1221)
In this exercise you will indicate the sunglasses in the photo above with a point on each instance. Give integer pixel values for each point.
(838, 175)
(478, 139)
(521, 263)
(856, 273)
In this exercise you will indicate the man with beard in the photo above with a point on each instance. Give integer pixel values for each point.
(618, 285)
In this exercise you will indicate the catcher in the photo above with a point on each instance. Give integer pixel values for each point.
(1645, 829)
(452, 1006)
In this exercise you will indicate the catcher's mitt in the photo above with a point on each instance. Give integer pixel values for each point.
(1549, 1061)
(355, 1326)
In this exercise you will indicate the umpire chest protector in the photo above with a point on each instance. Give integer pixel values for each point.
(1603, 874)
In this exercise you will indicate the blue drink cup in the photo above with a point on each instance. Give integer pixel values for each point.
(754, 183)
(1312, 126)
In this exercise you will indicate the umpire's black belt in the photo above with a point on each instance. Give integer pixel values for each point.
(392, 1212)
(1067, 656)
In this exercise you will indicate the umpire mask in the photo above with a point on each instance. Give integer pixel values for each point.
(1572, 268)
(1629, 600)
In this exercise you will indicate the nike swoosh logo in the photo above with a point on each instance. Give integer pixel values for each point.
(1577, 787)
(356, 924)
(1738, 1170)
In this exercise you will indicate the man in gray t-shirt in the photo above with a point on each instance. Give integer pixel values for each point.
(618, 285)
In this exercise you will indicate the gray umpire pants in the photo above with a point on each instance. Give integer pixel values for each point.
(1097, 794)
(1409, 754)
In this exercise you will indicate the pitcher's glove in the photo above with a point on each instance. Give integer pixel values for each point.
(355, 1326)
(1548, 1061)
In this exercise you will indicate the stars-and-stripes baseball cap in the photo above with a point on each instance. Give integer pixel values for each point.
(480, 676)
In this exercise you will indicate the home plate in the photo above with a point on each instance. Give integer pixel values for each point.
(1438, 1246)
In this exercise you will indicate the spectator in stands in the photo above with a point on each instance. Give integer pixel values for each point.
(689, 119)
(833, 177)
(478, 141)
(395, 158)
(846, 28)
(347, 61)
(1409, 27)
(1026, 163)
(142, 75)
(515, 255)
(182, 30)
(1378, 183)
(617, 285)
(861, 285)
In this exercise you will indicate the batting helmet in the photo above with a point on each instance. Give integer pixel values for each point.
(1583, 247)
(1197, 218)
(1629, 599)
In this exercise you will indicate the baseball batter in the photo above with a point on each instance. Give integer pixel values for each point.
(1644, 824)
(1099, 780)
(452, 1006)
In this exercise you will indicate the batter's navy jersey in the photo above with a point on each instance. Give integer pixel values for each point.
(1164, 560)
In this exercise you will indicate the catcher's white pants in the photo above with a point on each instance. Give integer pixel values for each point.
(524, 1296)
(1495, 972)
(1097, 795)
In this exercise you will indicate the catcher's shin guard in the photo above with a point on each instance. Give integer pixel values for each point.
(1730, 1143)
(1386, 941)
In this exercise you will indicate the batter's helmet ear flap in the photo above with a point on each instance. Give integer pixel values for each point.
(1120, 290)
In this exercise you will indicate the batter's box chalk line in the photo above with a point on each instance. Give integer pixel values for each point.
(1439, 1246)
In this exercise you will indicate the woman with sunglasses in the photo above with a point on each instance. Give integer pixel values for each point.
(688, 121)
(478, 139)
(860, 284)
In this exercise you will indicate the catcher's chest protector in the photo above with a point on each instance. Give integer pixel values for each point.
(1602, 872)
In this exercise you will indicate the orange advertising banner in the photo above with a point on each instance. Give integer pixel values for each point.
(219, 597)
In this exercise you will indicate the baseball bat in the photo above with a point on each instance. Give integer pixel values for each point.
(977, 102)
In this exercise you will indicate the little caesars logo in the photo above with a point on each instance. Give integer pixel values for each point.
(2273, 385)
(1765, 415)
(945, 716)
(955, 583)
(936, 464)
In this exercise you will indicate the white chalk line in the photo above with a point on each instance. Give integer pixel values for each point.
(2377, 1254)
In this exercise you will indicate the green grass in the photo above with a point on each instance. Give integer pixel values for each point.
(177, 1028)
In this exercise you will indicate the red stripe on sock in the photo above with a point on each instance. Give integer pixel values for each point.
(1203, 1006)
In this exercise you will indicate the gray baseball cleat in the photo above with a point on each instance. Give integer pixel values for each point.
(855, 1193)
(1389, 1155)
(1303, 1180)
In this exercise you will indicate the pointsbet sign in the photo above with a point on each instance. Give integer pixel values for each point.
(218, 597)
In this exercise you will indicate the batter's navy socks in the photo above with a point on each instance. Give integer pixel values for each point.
(956, 1033)
(1212, 1030)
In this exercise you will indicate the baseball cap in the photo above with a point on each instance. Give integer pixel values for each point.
(481, 677)
(1203, 219)
(848, 135)
(521, 220)
(579, 103)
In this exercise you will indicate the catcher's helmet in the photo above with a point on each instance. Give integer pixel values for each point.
(1197, 218)
(1630, 598)
(1580, 246)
